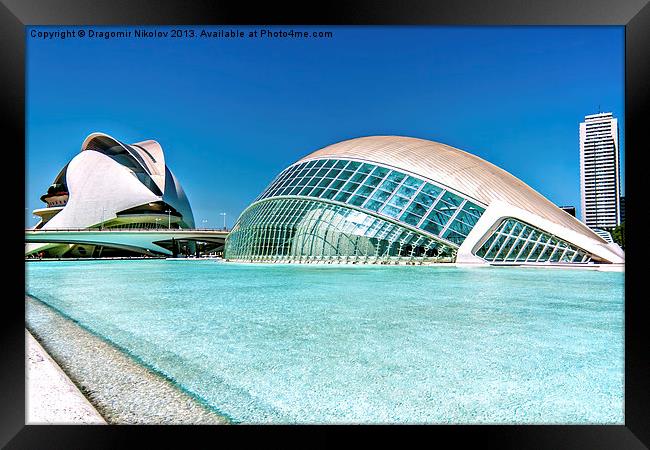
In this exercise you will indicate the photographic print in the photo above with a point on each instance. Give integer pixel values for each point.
(325, 224)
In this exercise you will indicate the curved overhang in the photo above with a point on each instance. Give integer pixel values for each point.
(174, 195)
(99, 187)
(498, 211)
(152, 153)
(98, 141)
(454, 168)
(148, 154)
(105, 185)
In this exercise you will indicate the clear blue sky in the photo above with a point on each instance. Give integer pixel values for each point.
(231, 113)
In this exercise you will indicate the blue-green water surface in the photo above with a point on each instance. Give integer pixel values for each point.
(361, 344)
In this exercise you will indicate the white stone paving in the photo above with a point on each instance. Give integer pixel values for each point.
(51, 397)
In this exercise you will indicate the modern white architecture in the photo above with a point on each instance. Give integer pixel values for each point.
(384, 199)
(111, 185)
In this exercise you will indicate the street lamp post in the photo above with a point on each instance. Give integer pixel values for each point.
(205, 221)
(224, 219)
(169, 219)
(101, 224)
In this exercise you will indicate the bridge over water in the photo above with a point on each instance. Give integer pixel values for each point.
(144, 241)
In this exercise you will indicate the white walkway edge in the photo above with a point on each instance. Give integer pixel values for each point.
(51, 397)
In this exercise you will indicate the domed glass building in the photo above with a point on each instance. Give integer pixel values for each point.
(383, 199)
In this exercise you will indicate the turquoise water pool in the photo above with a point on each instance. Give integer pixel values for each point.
(361, 344)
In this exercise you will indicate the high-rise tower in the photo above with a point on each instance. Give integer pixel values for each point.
(599, 171)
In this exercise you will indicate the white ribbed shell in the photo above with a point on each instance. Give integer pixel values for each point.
(454, 168)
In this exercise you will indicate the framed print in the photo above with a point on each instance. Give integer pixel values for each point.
(372, 215)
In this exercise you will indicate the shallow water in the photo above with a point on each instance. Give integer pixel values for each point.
(361, 344)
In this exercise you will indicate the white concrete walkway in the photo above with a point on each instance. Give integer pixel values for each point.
(51, 397)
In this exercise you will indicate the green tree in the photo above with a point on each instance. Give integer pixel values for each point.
(618, 234)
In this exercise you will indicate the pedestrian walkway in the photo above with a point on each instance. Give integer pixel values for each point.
(51, 397)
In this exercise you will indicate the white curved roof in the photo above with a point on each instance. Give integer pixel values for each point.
(100, 187)
(457, 169)
(150, 152)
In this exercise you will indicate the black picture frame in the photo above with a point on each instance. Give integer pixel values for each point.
(633, 14)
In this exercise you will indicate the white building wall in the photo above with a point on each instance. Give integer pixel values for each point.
(99, 188)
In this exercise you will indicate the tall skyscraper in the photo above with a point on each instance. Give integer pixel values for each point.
(599, 171)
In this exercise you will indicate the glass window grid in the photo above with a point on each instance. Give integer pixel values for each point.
(466, 218)
(540, 250)
(372, 182)
(376, 188)
(300, 180)
(567, 251)
(454, 232)
(555, 252)
(289, 179)
(501, 236)
(413, 182)
(416, 209)
(252, 238)
(487, 244)
(431, 208)
(399, 202)
(540, 244)
(380, 196)
(453, 217)
(548, 250)
(494, 248)
(452, 199)
(507, 226)
(438, 217)
(515, 241)
(454, 236)
(274, 183)
(540, 238)
(414, 197)
(561, 251)
(392, 193)
(470, 208)
(503, 249)
(328, 175)
(390, 211)
(515, 249)
(526, 248)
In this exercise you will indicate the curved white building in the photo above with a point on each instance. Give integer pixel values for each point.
(382, 198)
(110, 184)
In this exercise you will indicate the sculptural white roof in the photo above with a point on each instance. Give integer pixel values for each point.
(108, 178)
(459, 170)
(402, 197)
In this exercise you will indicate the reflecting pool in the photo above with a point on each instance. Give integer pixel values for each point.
(361, 344)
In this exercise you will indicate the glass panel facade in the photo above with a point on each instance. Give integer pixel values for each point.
(309, 230)
(383, 191)
(515, 241)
